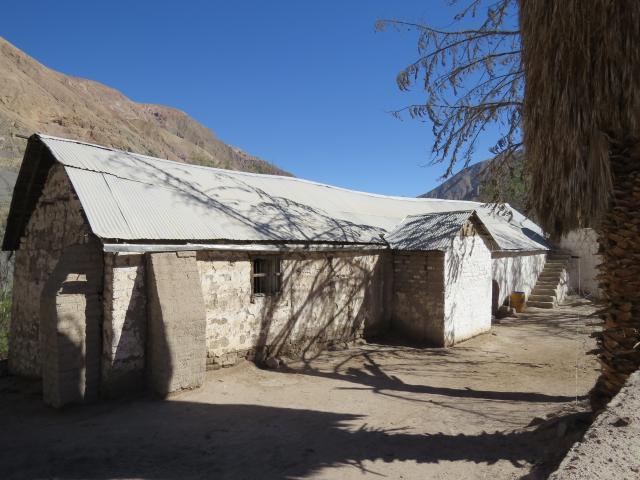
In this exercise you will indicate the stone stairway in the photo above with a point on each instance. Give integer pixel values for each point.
(551, 286)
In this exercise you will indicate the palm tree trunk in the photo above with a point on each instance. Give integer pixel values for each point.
(619, 238)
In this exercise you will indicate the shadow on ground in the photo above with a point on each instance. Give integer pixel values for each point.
(174, 439)
(372, 376)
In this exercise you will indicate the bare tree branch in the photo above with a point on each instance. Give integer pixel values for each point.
(426, 28)
(472, 79)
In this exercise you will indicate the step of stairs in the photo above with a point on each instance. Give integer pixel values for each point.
(554, 268)
(547, 277)
(541, 298)
(536, 304)
(545, 293)
(552, 273)
(544, 290)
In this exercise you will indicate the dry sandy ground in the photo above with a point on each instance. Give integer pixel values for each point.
(377, 410)
(611, 446)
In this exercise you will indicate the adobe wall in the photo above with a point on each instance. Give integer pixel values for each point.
(176, 344)
(516, 272)
(325, 298)
(467, 298)
(418, 296)
(56, 223)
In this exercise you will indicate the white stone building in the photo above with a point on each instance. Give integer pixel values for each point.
(132, 270)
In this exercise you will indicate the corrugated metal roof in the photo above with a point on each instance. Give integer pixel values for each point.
(433, 231)
(134, 197)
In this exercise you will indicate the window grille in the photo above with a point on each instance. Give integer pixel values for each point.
(266, 276)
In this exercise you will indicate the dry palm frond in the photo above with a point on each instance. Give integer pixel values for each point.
(582, 69)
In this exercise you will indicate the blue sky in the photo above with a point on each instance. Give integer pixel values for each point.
(304, 84)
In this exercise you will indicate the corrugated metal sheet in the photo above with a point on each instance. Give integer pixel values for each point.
(244, 247)
(134, 197)
(433, 231)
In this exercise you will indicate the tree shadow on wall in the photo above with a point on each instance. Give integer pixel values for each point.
(70, 318)
(178, 439)
(512, 272)
(342, 300)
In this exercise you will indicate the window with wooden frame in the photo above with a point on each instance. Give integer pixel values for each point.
(266, 276)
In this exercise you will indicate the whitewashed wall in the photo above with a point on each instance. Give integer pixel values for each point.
(467, 303)
(583, 243)
(516, 272)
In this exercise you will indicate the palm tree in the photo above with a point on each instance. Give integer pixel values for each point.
(581, 122)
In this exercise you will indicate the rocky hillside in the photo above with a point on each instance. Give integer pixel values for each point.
(478, 183)
(34, 98)
(464, 185)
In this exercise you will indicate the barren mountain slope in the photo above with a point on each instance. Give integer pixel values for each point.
(34, 98)
(478, 183)
(464, 185)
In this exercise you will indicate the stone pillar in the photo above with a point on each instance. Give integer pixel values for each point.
(176, 348)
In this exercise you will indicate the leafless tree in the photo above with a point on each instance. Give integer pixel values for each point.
(472, 78)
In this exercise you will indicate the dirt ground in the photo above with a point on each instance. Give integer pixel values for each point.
(503, 405)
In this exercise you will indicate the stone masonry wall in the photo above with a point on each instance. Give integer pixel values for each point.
(325, 298)
(418, 296)
(467, 309)
(124, 325)
(56, 223)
